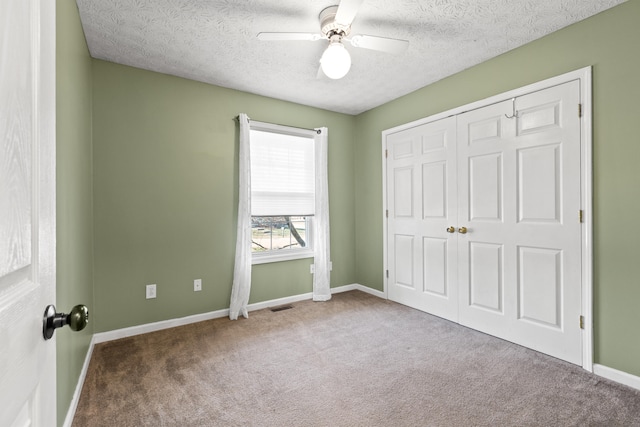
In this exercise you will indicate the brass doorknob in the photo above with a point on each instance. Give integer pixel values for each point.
(462, 230)
(77, 319)
(451, 229)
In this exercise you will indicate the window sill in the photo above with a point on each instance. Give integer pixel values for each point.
(264, 259)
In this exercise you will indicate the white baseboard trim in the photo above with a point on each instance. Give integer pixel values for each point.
(172, 323)
(358, 287)
(117, 334)
(71, 412)
(617, 376)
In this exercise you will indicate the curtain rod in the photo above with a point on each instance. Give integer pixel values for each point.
(318, 131)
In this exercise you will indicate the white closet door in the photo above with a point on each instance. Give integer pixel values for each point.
(486, 168)
(519, 198)
(421, 195)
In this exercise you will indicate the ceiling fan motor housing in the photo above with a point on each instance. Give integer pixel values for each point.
(328, 25)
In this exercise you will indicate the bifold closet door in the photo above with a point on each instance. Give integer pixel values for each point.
(421, 200)
(519, 264)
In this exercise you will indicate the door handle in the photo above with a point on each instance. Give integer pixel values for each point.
(451, 229)
(462, 230)
(77, 319)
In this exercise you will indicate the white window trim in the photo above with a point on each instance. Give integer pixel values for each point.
(293, 254)
(261, 258)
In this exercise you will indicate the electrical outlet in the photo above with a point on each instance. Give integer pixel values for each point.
(312, 267)
(197, 285)
(151, 291)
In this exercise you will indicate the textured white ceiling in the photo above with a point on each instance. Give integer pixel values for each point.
(214, 41)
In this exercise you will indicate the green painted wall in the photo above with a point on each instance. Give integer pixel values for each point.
(609, 42)
(165, 195)
(74, 195)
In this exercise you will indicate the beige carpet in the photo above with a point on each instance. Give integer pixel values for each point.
(356, 360)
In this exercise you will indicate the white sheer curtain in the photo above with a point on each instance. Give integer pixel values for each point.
(242, 270)
(322, 256)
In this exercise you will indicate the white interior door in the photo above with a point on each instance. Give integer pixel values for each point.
(507, 177)
(421, 175)
(519, 198)
(27, 211)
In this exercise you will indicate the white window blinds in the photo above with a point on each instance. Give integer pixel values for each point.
(282, 174)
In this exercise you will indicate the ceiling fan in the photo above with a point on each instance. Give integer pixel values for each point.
(335, 26)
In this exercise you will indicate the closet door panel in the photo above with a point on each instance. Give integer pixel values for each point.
(421, 198)
(486, 171)
(526, 203)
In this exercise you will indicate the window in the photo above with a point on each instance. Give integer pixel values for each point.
(282, 192)
(276, 233)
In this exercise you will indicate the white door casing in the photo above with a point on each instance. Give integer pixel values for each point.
(27, 211)
(526, 257)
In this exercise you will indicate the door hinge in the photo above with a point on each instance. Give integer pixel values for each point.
(579, 110)
(581, 322)
(386, 153)
(581, 215)
(387, 274)
(387, 213)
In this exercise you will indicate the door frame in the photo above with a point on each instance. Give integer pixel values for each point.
(584, 76)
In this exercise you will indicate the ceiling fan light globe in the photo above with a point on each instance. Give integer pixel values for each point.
(335, 61)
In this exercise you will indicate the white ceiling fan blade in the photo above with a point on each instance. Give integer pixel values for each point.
(289, 36)
(347, 10)
(382, 44)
